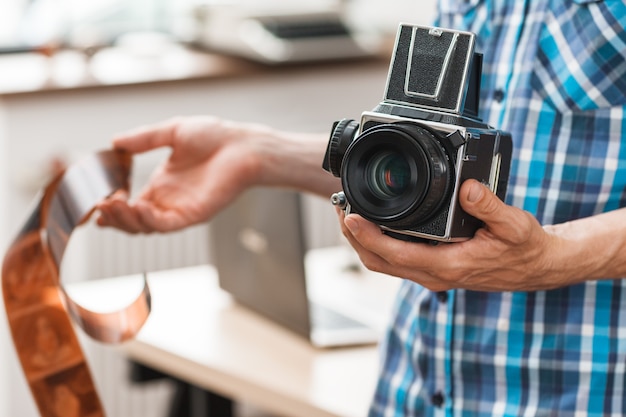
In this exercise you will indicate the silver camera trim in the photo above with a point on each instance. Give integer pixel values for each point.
(444, 67)
(379, 117)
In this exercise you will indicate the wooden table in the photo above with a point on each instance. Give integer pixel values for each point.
(198, 334)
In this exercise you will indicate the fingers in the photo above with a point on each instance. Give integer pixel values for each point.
(154, 219)
(384, 254)
(118, 213)
(143, 216)
(378, 251)
(360, 235)
(147, 138)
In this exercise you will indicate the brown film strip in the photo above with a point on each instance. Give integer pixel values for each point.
(38, 308)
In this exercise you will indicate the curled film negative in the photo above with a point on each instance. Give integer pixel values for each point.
(38, 308)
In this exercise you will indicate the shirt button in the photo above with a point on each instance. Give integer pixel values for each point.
(442, 296)
(437, 399)
(498, 95)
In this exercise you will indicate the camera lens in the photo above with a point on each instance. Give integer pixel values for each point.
(389, 174)
(397, 175)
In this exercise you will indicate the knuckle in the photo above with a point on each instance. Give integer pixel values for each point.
(176, 126)
(175, 120)
(400, 259)
(492, 205)
(450, 275)
(372, 263)
(522, 232)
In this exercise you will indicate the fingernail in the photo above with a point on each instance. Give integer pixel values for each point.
(352, 225)
(475, 192)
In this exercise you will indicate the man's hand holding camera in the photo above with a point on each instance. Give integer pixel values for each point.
(511, 252)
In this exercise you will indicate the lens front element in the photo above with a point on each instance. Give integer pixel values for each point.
(389, 174)
(397, 174)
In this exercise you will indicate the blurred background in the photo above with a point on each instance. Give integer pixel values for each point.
(75, 72)
(31, 23)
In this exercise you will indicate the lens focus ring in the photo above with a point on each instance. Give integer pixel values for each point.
(340, 138)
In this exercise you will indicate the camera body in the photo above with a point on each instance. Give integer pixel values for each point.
(402, 166)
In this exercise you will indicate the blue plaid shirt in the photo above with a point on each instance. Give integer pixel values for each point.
(554, 75)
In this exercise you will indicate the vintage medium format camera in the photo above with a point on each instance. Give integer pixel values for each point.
(403, 165)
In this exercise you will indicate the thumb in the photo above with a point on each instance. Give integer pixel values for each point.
(507, 223)
(478, 201)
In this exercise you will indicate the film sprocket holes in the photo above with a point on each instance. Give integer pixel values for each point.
(403, 165)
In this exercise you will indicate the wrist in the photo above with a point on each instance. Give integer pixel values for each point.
(591, 248)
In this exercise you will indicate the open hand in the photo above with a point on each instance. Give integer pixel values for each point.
(209, 165)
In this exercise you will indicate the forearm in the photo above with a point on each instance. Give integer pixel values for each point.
(591, 248)
(295, 160)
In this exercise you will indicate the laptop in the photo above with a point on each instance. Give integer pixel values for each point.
(259, 250)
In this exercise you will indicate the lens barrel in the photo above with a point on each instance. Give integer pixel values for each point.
(341, 137)
(397, 175)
